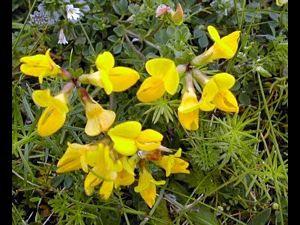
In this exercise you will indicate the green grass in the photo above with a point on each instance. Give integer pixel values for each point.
(238, 163)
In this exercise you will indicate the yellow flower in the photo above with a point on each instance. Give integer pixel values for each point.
(98, 119)
(281, 2)
(53, 117)
(128, 137)
(223, 48)
(110, 78)
(105, 169)
(147, 187)
(39, 66)
(216, 94)
(164, 77)
(75, 158)
(188, 111)
(173, 164)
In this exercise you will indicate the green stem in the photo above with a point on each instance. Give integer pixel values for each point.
(87, 37)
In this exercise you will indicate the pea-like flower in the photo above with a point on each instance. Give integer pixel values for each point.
(173, 163)
(164, 77)
(54, 116)
(128, 137)
(39, 66)
(110, 78)
(188, 111)
(223, 48)
(75, 158)
(147, 186)
(98, 119)
(216, 94)
(105, 169)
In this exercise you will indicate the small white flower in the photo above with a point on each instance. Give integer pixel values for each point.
(62, 38)
(73, 14)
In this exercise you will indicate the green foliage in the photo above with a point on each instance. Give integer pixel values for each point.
(238, 162)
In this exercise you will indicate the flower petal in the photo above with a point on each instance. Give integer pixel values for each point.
(171, 80)
(151, 89)
(42, 97)
(214, 34)
(209, 91)
(206, 106)
(159, 67)
(105, 61)
(106, 189)
(189, 121)
(90, 182)
(124, 135)
(50, 121)
(123, 78)
(106, 82)
(224, 80)
(149, 140)
(231, 40)
(60, 103)
(189, 102)
(226, 101)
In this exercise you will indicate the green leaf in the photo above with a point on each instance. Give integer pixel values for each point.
(119, 30)
(202, 40)
(261, 218)
(244, 99)
(263, 72)
(57, 180)
(203, 216)
(68, 181)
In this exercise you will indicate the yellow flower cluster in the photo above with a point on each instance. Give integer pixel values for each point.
(112, 165)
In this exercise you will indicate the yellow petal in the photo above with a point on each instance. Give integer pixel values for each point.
(214, 34)
(189, 102)
(149, 140)
(106, 82)
(106, 189)
(124, 135)
(232, 40)
(226, 101)
(149, 195)
(206, 106)
(98, 119)
(42, 97)
(209, 91)
(51, 121)
(60, 103)
(171, 80)
(105, 61)
(124, 179)
(123, 78)
(224, 80)
(189, 121)
(35, 71)
(70, 160)
(151, 89)
(226, 47)
(159, 67)
(180, 166)
(90, 182)
(147, 187)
